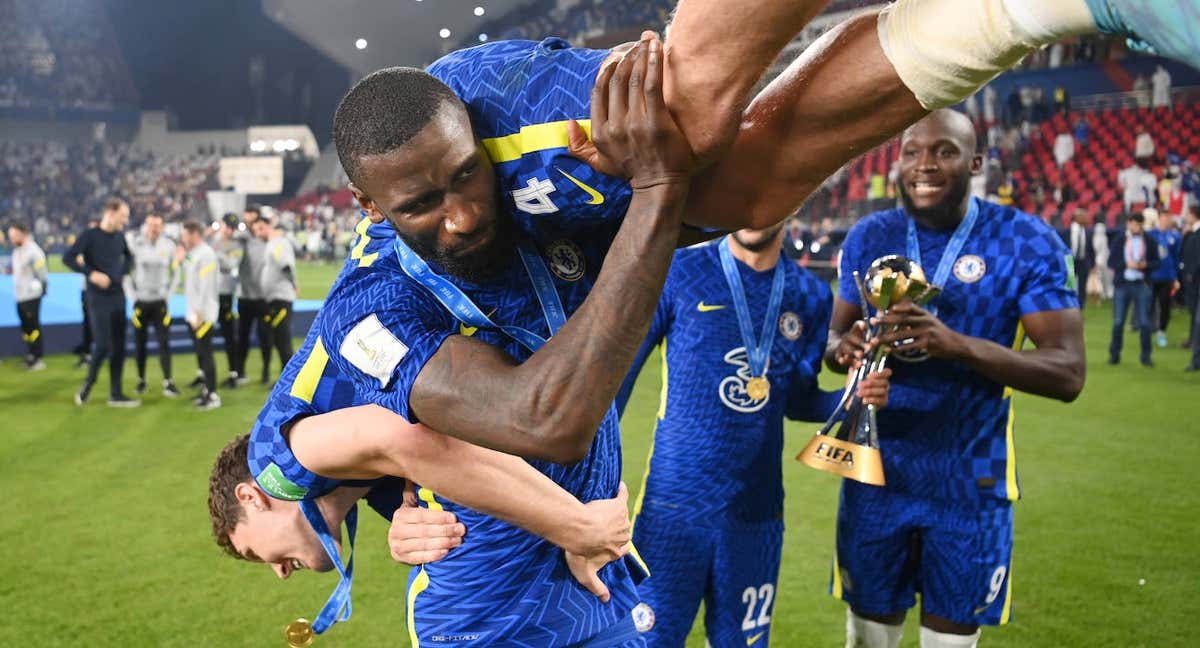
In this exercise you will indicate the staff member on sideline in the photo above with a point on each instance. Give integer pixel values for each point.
(279, 286)
(229, 255)
(200, 276)
(153, 282)
(29, 285)
(252, 307)
(106, 261)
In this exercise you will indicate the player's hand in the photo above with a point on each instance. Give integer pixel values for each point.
(419, 535)
(180, 254)
(854, 346)
(634, 134)
(916, 329)
(874, 387)
(99, 279)
(585, 571)
(606, 530)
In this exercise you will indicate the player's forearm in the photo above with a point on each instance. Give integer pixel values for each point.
(368, 442)
(576, 376)
(1050, 372)
(550, 406)
(504, 487)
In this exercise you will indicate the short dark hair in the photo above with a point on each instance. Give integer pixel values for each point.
(114, 204)
(153, 215)
(253, 209)
(1194, 208)
(1135, 217)
(194, 227)
(19, 226)
(230, 469)
(385, 110)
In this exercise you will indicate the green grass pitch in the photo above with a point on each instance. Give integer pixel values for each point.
(107, 541)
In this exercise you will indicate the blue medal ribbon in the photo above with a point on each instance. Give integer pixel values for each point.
(758, 354)
(460, 305)
(953, 248)
(338, 607)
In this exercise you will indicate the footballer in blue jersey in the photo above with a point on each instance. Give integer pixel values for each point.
(943, 523)
(710, 514)
(259, 478)
(1165, 278)
(463, 327)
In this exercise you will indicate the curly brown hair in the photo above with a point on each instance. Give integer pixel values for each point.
(230, 469)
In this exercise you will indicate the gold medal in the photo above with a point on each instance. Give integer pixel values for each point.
(758, 387)
(299, 633)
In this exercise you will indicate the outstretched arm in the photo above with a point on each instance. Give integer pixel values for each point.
(369, 441)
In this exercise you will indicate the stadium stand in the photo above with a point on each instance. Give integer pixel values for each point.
(60, 54)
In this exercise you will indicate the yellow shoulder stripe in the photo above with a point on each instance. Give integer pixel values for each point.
(310, 374)
(536, 137)
(360, 246)
(206, 270)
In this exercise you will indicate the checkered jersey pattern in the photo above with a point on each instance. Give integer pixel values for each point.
(716, 458)
(321, 390)
(946, 431)
(520, 95)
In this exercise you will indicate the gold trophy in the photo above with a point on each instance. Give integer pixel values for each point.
(853, 449)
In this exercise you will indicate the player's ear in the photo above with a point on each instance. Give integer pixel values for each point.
(251, 496)
(976, 164)
(368, 206)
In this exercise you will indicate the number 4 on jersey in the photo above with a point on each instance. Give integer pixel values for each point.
(534, 198)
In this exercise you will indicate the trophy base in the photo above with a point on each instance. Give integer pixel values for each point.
(850, 460)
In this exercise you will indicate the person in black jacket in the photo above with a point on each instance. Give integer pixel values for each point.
(1078, 238)
(105, 262)
(1133, 256)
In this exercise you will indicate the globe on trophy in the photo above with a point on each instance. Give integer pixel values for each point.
(848, 443)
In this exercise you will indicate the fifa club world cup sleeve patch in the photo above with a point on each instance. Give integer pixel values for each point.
(373, 349)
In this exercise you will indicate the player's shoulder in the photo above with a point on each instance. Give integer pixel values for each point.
(382, 291)
(887, 219)
(875, 228)
(1025, 232)
(694, 263)
(808, 281)
(472, 57)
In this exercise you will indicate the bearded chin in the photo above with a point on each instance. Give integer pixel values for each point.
(944, 213)
(480, 266)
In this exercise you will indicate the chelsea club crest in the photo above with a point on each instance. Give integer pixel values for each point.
(790, 326)
(969, 268)
(643, 617)
(565, 260)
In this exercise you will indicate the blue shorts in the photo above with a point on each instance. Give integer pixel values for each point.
(892, 545)
(733, 569)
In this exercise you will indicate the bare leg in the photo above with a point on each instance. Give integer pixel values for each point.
(841, 98)
(712, 67)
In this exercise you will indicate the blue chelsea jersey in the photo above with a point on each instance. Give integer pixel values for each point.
(716, 454)
(310, 385)
(948, 431)
(388, 326)
(520, 95)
